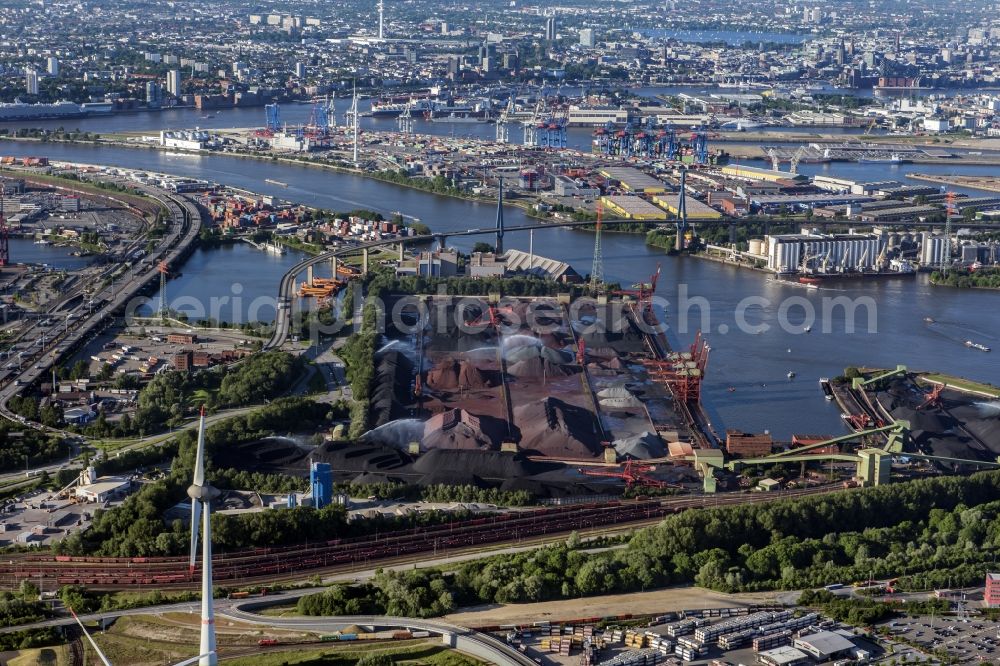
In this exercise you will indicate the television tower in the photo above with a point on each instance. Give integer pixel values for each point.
(381, 9)
(597, 269)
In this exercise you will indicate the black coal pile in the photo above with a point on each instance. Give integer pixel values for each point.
(391, 390)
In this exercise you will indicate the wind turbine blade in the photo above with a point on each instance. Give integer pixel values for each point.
(194, 660)
(100, 655)
(199, 460)
(195, 531)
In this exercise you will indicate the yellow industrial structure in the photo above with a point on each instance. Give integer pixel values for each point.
(632, 207)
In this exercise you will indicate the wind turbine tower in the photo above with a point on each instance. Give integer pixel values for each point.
(202, 494)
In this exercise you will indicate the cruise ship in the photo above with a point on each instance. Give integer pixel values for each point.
(392, 108)
(18, 110)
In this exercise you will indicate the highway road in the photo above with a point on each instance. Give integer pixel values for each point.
(241, 610)
(481, 645)
(40, 347)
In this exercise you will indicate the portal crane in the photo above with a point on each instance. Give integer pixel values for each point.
(933, 398)
(643, 291)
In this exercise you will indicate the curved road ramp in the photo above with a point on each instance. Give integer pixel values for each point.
(483, 646)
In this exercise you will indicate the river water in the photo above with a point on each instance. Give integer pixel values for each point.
(297, 114)
(889, 313)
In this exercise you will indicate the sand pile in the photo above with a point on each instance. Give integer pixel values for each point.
(645, 445)
(452, 374)
(538, 368)
(627, 402)
(558, 429)
(614, 392)
(523, 353)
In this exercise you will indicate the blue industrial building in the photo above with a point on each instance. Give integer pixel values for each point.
(321, 480)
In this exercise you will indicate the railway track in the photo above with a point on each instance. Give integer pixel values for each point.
(269, 565)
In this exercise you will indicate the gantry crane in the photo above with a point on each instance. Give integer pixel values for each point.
(633, 474)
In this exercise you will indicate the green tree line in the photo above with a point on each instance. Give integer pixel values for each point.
(921, 531)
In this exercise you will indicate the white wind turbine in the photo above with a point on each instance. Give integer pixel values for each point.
(201, 495)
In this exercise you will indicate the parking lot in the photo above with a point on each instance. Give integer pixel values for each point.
(45, 516)
(974, 639)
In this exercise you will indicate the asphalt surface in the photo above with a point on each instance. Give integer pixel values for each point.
(53, 342)
(241, 610)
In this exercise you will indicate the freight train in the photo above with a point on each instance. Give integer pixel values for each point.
(282, 562)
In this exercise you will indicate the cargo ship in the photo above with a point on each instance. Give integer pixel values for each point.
(892, 159)
(18, 110)
(824, 384)
(386, 108)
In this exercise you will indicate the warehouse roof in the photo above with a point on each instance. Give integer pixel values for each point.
(633, 207)
(518, 261)
(633, 179)
(780, 656)
(828, 197)
(694, 207)
(824, 643)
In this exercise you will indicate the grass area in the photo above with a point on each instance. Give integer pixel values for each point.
(428, 653)
(279, 611)
(58, 655)
(962, 384)
(200, 397)
(141, 640)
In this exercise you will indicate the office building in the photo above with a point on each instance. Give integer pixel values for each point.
(52, 66)
(300, 70)
(587, 38)
(550, 29)
(154, 94)
(31, 81)
(991, 597)
(321, 481)
(174, 82)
